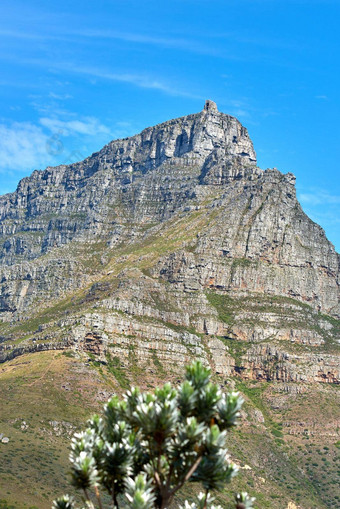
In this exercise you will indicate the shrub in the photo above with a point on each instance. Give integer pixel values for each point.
(146, 446)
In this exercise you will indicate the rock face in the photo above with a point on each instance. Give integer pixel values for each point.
(172, 241)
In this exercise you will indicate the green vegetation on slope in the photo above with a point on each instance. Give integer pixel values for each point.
(282, 457)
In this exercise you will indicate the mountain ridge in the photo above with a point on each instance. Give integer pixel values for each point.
(181, 204)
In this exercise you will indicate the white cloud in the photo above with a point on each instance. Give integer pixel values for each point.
(182, 43)
(19, 34)
(60, 97)
(141, 81)
(138, 80)
(319, 198)
(23, 146)
(88, 126)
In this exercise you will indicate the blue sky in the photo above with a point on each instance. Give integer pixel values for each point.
(77, 74)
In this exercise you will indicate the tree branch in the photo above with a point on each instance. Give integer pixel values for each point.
(206, 499)
(98, 497)
(187, 477)
(158, 480)
(86, 495)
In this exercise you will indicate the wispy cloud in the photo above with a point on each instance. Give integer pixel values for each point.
(138, 80)
(323, 207)
(192, 43)
(18, 34)
(48, 106)
(258, 39)
(319, 197)
(89, 126)
(23, 146)
(60, 97)
(67, 35)
(182, 43)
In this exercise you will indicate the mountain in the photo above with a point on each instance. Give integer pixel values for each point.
(172, 245)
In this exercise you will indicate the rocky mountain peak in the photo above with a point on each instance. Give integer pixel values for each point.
(114, 196)
(166, 162)
(198, 139)
(210, 106)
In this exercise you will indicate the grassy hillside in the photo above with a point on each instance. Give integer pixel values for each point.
(285, 451)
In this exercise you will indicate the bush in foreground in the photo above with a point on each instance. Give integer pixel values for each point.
(146, 446)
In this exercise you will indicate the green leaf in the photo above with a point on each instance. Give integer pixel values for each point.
(198, 375)
(244, 501)
(84, 472)
(65, 502)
